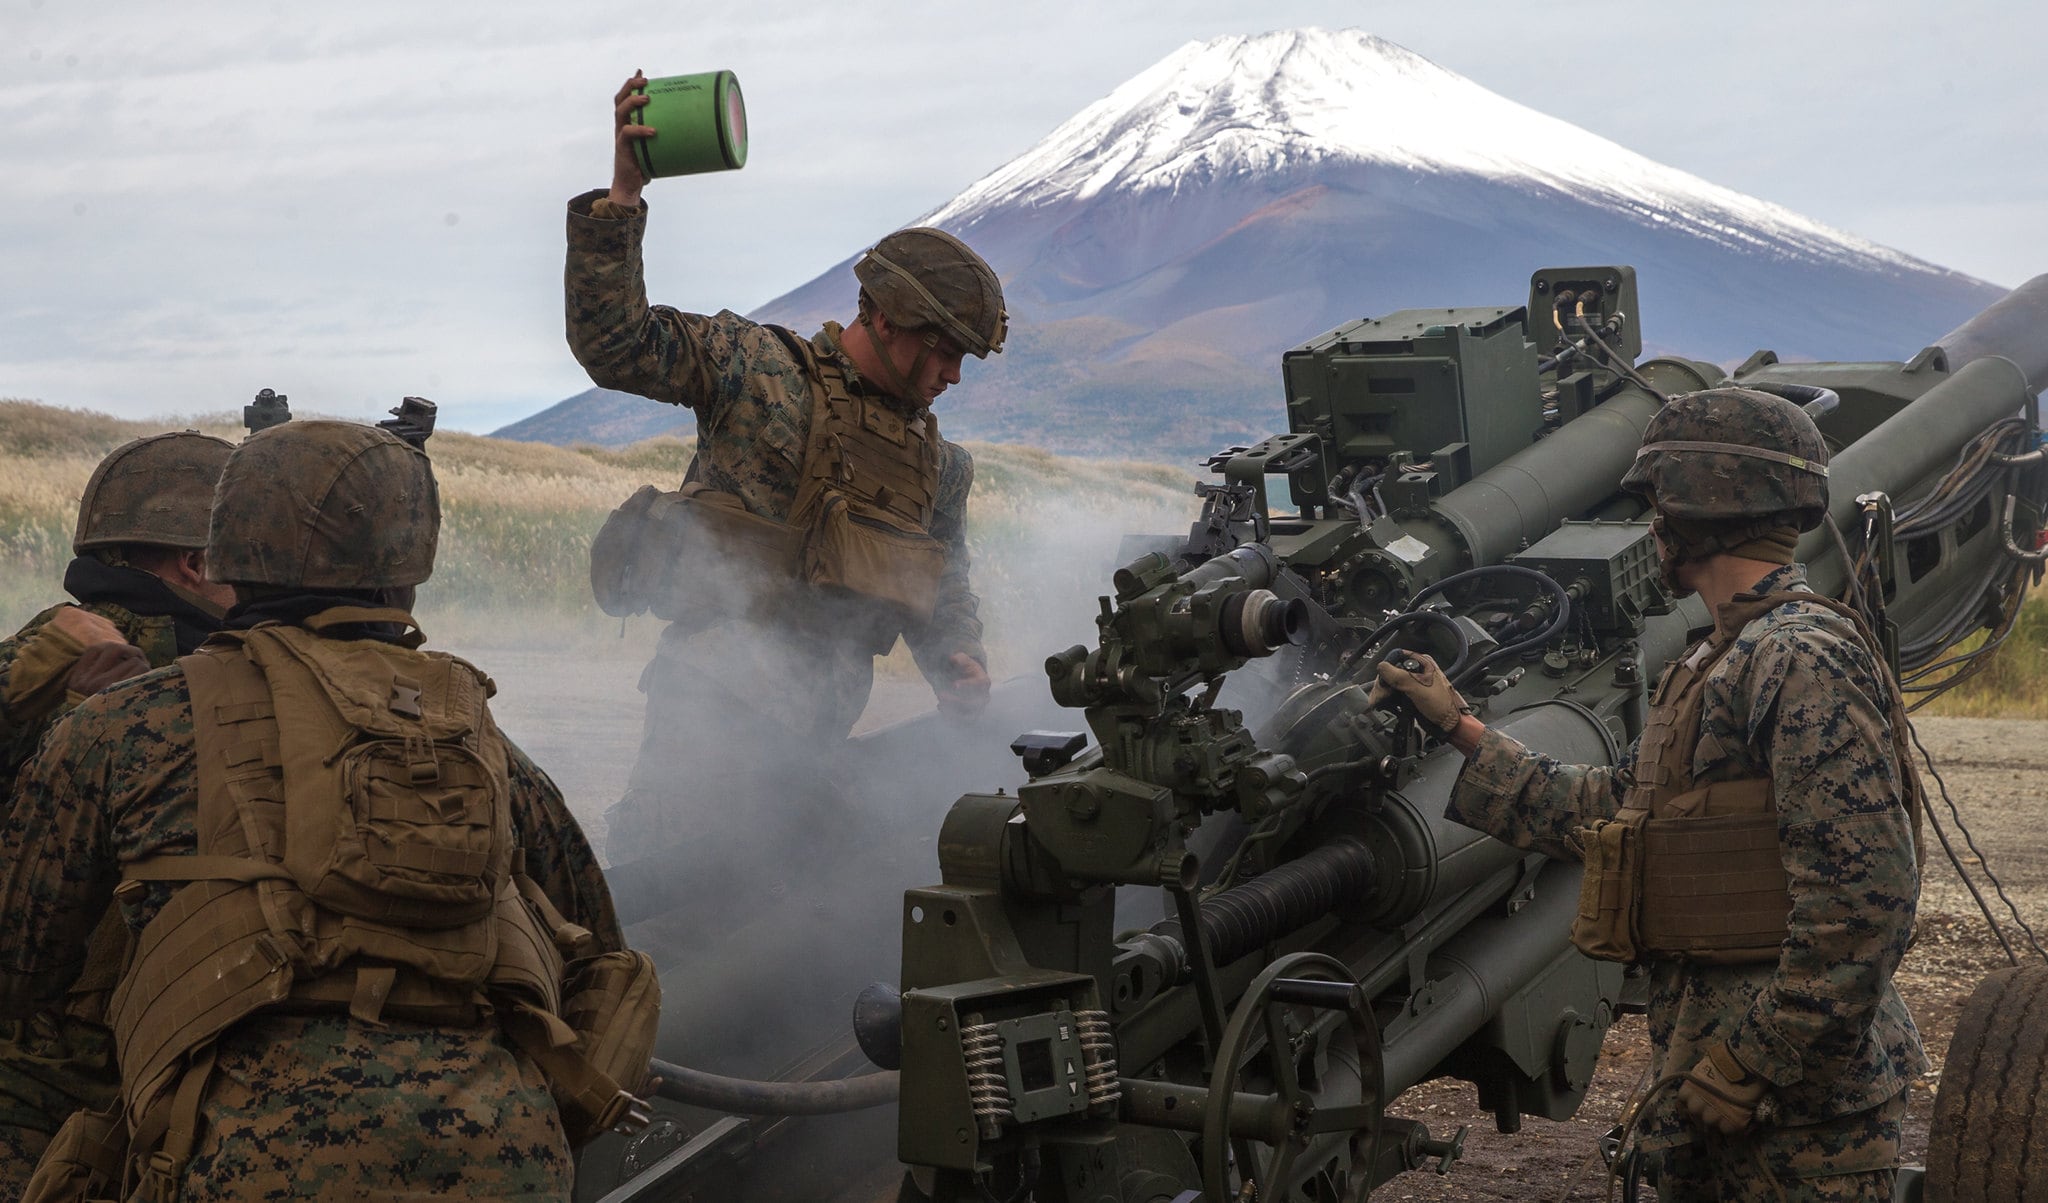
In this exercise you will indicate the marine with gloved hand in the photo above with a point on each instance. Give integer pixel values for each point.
(142, 600)
(1756, 848)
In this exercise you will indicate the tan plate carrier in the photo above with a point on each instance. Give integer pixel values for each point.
(355, 854)
(860, 522)
(1698, 873)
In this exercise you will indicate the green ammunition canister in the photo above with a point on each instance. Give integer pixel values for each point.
(700, 124)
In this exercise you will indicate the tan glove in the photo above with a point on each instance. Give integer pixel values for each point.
(44, 662)
(84, 627)
(1429, 690)
(1720, 1094)
(104, 664)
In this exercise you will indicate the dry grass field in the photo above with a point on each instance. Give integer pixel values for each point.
(518, 519)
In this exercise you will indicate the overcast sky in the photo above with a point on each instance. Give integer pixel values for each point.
(348, 203)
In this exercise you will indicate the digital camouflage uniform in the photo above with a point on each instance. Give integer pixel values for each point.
(60, 1059)
(346, 1109)
(34, 663)
(1794, 699)
(805, 673)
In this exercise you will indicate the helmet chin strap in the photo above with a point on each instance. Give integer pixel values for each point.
(901, 386)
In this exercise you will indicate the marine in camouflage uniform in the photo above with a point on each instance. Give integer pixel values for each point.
(299, 1105)
(139, 543)
(747, 708)
(142, 601)
(1822, 1047)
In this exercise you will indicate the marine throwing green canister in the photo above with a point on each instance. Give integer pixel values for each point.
(700, 124)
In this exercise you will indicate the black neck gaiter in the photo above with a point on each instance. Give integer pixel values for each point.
(93, 580)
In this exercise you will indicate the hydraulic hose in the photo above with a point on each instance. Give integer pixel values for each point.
(1413, 618)
(744, 1096)
(1285, 898)
(1557, 622)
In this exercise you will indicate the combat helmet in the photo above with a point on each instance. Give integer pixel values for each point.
(926, 279)
(1732, 454)
(156, 490)
(325, 505)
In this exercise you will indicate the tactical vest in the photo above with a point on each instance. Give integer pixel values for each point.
(859, 524)
(1698, 873)
(355, 853)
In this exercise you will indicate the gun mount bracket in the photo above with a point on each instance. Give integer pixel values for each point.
(1048, 751)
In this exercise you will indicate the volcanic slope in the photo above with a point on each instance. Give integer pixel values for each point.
(1165, 245)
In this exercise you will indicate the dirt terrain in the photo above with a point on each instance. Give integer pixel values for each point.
(1997, 774)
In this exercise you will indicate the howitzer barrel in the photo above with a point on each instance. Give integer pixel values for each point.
(1488, 961)
(1524, 497)
(2015, 327)
(1919, 441)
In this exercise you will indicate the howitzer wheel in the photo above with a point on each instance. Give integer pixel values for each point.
(1302, 982)
(1989, 1139)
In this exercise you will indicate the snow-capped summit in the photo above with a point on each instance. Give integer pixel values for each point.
(1295, 100)
(1160, 249)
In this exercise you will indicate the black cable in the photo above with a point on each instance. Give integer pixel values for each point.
(1983, 907)
(1558, 621)
(1982, 862)
(1407, 618)
(1625, 367)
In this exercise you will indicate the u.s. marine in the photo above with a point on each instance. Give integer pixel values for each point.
(1783, 1051)
(827, 518)
(351, 896)
(140, 600)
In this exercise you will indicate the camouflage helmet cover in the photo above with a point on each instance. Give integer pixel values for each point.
(922, 278)
(316, 505)
(1724, 454)
(156, 490)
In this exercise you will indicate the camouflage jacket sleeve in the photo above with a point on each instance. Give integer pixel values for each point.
(58, 865)
(34, 664)
(1816, 711)
(956, 620)
(558, 855)
(703, 362)
(1531, 801)
(35, 671)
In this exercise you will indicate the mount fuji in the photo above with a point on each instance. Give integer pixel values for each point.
(1161, 248)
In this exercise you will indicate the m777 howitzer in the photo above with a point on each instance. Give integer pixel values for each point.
(1332, 940)
(1455, 479)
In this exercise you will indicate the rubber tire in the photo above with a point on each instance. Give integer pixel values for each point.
(1988, 1142)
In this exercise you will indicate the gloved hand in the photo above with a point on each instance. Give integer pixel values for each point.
(1430, 691)
(85, 627)
(1720, 1094)
(104, 664)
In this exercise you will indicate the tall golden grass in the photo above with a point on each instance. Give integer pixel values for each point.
(517, 519)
